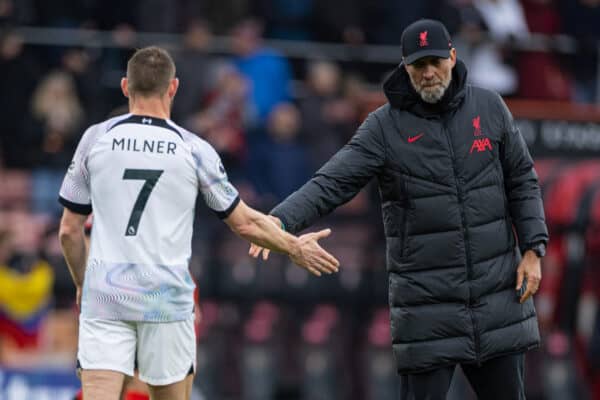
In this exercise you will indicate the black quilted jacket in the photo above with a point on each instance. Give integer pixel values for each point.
(457, 183)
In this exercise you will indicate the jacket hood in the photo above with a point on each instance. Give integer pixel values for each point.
(401, 94)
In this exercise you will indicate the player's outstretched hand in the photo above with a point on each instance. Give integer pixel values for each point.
(312, 256)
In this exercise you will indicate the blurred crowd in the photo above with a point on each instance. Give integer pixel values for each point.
(274, 120)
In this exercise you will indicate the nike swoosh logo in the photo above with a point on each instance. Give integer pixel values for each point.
(414, 138)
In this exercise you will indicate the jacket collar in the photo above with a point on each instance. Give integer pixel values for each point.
(401, 94)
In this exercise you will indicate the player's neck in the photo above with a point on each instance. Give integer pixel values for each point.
(150, 107)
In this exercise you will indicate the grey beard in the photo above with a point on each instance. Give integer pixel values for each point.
(434, 95)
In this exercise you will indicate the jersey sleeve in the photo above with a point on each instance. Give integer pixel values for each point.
(75, 190)
(218, 193)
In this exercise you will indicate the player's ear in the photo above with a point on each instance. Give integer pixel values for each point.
(124, 88)
(173, 86)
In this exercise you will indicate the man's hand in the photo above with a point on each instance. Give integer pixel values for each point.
(311, 256)
(530, 270)
(267, 232)
(255, 249)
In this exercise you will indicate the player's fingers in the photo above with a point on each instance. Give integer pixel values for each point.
(254, 250)
(265, 254)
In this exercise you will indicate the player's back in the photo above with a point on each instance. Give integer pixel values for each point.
(143, 176)
(143, 188)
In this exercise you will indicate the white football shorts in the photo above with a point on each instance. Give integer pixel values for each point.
(165, 351)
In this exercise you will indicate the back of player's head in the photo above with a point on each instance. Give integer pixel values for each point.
(149, 71)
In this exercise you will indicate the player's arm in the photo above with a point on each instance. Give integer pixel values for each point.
(72, 241)
(261, 230)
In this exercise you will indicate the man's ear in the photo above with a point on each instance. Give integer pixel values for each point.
(124, 88)
(173, 86)
(453, 56)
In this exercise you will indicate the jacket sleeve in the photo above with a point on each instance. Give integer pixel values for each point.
(521, 184)
(338, 181)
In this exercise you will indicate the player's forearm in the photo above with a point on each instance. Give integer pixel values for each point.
(261, 230)
(74, 249)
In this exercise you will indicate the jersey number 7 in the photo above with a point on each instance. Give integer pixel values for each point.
(151, 177)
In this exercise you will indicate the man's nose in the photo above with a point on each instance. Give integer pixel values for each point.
(428, 72)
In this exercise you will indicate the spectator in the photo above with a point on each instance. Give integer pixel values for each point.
(280, 164)
(503, 18)
(268, 72)
(222, 117)
(195, 69)
(25, 283)
(325, 114)
(81, 65)
(51, 135)
(488, 68)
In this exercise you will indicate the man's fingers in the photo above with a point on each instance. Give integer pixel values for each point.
(334, 261)
(533, 284)
(322, 234)
(327, 262)
(327, 265)
(525, 296)
(520, 278)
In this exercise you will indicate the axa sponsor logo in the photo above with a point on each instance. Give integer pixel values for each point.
(481, 145)
(423, 39)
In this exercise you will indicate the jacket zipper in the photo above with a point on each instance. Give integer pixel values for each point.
(466, 240)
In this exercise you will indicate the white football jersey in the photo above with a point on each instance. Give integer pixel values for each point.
(140, 176)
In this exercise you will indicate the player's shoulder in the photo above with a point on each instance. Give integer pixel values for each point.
(196, 144)
(94, 132)
(102, 127)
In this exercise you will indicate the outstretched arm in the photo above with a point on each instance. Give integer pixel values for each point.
(261, 230)
(338, 181)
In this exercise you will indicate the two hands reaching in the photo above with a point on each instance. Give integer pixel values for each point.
(308, 254)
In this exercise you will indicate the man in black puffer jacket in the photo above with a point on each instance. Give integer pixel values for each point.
(456, 182)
